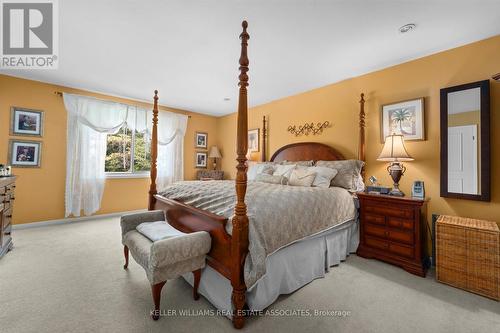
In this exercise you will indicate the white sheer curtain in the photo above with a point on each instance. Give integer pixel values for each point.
(171, 131)
(89, 122)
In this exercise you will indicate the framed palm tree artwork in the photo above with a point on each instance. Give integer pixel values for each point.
(406, 117)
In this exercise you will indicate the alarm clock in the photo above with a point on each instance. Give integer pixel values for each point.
(418, 190)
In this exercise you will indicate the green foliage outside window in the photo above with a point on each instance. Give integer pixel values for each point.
(119, 152)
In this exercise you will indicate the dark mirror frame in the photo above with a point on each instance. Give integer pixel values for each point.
(485, 141)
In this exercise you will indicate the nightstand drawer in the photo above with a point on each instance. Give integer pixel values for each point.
(376, 243)
(401, 211)
(374, 219)
(401, 250)
(393, 235)
(395, 222)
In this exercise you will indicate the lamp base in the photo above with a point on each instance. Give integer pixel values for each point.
(396, 170)
(396, 192)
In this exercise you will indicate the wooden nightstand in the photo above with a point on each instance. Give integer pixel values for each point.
(391, 230)
(210, 174)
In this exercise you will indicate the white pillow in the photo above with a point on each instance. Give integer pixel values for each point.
(324, 176)
(265, 178)
(302, 177)
(283, 170)
(258, 168)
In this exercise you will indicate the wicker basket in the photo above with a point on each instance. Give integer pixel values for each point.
(468, 255)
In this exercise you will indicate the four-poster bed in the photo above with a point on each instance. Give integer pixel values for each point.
(229, 251)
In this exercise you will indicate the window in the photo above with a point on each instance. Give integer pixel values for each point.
(127, 154)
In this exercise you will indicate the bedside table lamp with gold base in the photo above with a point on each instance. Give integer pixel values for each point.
(215, 154)
(394, 151)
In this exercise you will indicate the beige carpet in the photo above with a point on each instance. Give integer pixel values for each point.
(69, 278)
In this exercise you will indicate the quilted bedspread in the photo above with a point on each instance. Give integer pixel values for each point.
(278, 214)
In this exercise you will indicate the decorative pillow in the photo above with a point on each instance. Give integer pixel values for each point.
(348, 173)
(283, 170)
(258, 168)
(324, 176)
(299, 163)
(267, 178)
(302, 177)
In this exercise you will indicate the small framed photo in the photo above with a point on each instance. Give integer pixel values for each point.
(201, 140)
(201, 160)
(253, 140)
(26, 122)
(25, 154)
(406, 117)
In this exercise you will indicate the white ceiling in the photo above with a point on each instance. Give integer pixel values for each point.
(464, 101)
(188, 50)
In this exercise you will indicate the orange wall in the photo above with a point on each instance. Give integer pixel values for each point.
(40, 191)
(338, 103)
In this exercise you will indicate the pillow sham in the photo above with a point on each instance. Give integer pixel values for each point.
(283, 170)
(302, 177)
(348, 173)
(271, 179)
(324, 176)
(257, 168)
(299, 163)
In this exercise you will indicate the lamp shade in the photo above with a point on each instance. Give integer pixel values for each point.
(394, 150)
(214, 152)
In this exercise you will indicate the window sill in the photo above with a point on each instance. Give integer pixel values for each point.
(118, 175)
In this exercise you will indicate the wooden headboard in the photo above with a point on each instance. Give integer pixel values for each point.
(305, 151)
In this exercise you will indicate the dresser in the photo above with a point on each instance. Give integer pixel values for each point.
(392, 230)
(7, 186)
(210, 175)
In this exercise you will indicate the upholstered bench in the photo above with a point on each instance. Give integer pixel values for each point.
(163, 251)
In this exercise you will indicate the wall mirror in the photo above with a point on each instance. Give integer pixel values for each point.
(465, 141)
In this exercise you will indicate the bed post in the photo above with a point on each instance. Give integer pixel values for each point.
(362, 147)
(239, 242)
(154, 153)
(264, 135)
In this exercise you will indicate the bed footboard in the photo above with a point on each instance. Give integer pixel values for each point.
(189, 219)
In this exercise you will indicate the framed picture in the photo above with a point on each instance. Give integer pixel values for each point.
(201, 159)
(406, 117)
(253, 140)
(26, 122)
(26, 154)
(201, 140)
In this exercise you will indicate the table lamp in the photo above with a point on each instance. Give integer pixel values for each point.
(394, 151)
(215, 154)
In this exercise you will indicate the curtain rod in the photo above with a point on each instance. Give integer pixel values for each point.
(58, 93)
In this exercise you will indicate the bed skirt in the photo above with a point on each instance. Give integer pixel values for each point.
(287, 270)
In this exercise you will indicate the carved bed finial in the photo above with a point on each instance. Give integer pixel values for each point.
(362, 147)
(239, 244)
(154, 153)
(264, 137)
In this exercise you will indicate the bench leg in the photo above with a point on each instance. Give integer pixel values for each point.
(197, 277)
(125, 253)
(156, 291)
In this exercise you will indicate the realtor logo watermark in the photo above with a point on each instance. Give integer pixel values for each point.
(30, 34)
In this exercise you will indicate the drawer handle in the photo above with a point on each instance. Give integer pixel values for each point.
(386, 233)
(9, 216)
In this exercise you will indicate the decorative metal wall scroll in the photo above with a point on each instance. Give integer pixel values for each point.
(309, 128)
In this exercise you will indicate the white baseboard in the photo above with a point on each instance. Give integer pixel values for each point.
(71, 220)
